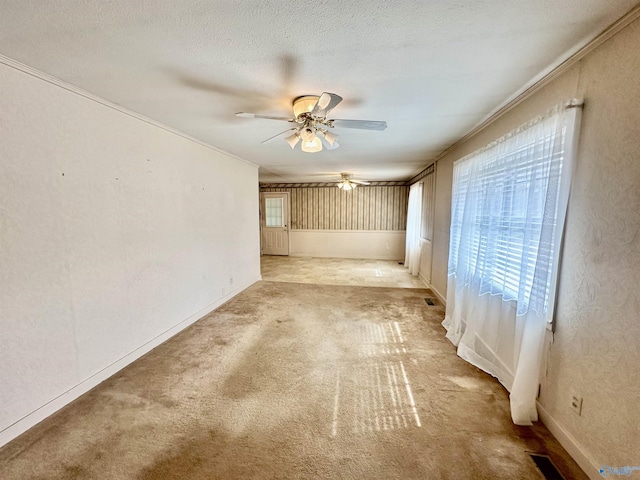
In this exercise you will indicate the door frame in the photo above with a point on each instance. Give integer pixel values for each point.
(287, 220)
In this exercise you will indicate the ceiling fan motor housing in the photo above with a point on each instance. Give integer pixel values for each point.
(304, 104)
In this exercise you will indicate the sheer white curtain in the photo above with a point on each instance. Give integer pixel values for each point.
(509, 202)
(414, 216)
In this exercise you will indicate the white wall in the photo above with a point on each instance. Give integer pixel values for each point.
(115, 234)
(441, 225)
(596, 349)
(379, 245)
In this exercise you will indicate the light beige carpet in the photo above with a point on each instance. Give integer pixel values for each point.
(293, 381)
(338, 271)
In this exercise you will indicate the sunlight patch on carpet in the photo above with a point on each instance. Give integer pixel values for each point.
(373, 394)
(380, 339)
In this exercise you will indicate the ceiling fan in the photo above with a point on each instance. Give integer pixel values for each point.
(313, 128)
(349, 183)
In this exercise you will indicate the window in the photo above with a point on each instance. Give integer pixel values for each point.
(273, 212)
(505, 214)
(508, 207)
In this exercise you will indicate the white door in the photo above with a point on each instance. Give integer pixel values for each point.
(274, 223)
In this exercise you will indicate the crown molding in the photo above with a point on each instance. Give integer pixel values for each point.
(546, 76)
(9, 62)
(423, 173)
(329, 184)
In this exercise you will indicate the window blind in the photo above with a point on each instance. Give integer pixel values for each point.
(501, 198)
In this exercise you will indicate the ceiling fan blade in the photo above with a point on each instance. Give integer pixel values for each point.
(276, 136)
(268, 117)
(359, 182)
(361, 124)
(326, 103)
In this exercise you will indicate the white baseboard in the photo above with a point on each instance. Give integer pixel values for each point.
(49, 408)
(350, 255)
(569, 443)
(442, 299)
(424, 280)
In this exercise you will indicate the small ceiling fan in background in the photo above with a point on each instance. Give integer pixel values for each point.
(349, 183)
(313, 128)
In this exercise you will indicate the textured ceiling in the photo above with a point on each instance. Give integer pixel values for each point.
(432, 69)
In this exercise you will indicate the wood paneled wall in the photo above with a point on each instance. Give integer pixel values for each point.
(428, 196)
(374, 207)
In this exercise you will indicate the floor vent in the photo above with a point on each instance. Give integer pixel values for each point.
(546, 467)
(429, 301)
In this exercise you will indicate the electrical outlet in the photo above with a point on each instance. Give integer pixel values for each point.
(231, 281)
(576, 404)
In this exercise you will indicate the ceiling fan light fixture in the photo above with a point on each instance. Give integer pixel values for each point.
(346, 185)
(293, 140)
(311, 146)
(330, 137)
(308, 134)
